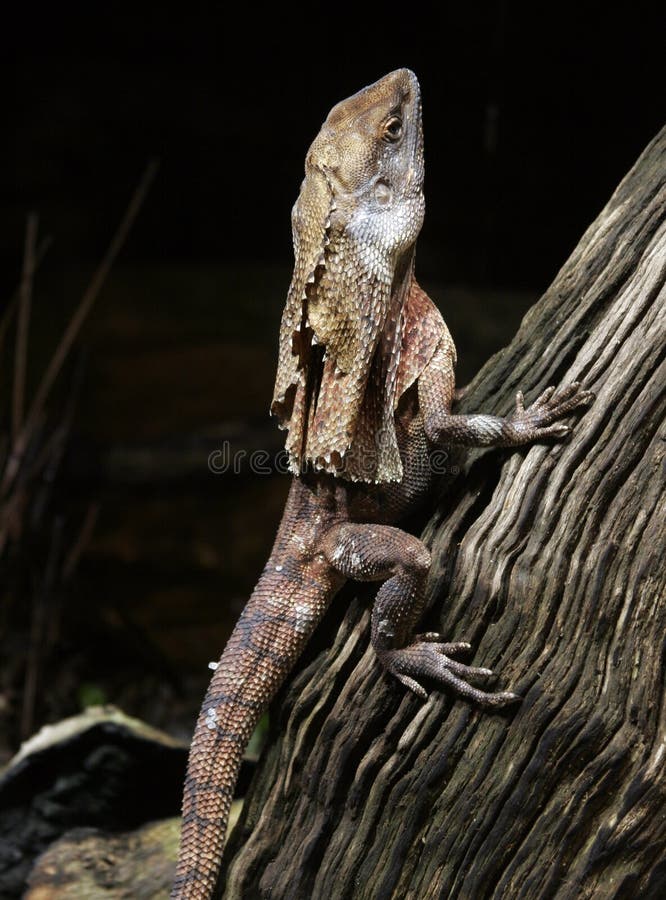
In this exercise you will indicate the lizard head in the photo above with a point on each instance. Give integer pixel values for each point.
(355, 224)
(369, 153)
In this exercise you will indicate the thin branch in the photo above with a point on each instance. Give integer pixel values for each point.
(8, 314)
(71, 332)
(38, 630)
(82, 540)
(89, 296)
(23, 325)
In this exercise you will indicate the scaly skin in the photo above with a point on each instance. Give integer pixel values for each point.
(365, 387)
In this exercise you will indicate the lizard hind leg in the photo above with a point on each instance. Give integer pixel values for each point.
(401, 562)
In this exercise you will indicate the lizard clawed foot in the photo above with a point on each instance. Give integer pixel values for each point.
(541, 419)
(427, 658)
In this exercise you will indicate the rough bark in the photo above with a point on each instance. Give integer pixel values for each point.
(551, 562)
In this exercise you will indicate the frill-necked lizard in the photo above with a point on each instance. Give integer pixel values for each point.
(365, 387)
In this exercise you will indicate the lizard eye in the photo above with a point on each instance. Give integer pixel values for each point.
(393, 129)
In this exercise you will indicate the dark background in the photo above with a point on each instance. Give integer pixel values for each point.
(531, 116)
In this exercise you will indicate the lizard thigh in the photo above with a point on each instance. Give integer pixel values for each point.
(388, 554)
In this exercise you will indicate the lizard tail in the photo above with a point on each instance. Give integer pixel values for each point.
(277, 621)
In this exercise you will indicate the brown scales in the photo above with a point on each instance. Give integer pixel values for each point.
(352, 275)
(364, 387)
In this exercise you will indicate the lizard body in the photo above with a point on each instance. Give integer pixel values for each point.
(365, 388)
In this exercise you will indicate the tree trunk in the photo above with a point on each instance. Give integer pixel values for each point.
(550, 561)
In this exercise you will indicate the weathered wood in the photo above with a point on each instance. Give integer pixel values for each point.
(98, 770)
(87, 864)
(551, 562)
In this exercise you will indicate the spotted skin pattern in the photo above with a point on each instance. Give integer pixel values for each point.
(365, 388)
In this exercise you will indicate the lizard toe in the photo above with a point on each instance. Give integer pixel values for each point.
(450, 649)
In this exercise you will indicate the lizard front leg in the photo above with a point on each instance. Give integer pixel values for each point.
(526, 424)
(401, 561)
